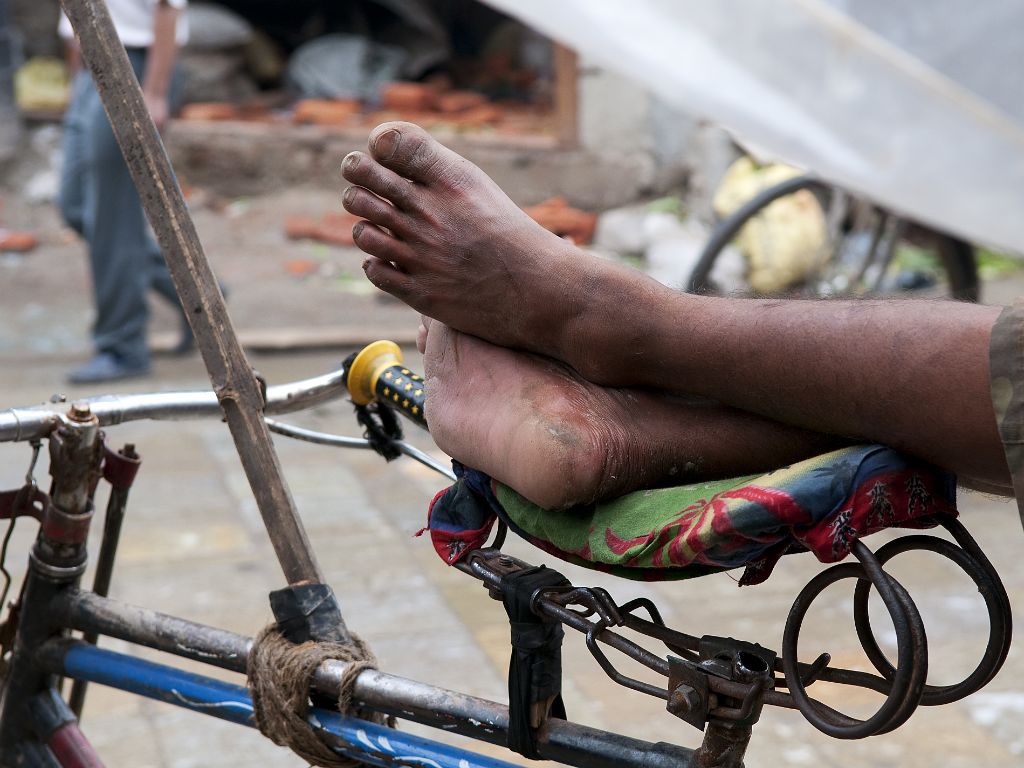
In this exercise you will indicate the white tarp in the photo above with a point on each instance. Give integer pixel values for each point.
(918, 105)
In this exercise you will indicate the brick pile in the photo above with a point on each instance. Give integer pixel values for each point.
(435, 105)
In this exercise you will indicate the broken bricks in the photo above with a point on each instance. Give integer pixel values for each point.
(332, 228)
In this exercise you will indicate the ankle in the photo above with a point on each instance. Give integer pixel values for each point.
(614, 335)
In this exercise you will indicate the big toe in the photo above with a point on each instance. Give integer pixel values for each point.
(440, 350)
(410, 151)
(422, 332)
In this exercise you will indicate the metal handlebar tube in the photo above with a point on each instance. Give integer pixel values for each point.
(236, 385)
(56, 563)
(566, 742)
(24, 424)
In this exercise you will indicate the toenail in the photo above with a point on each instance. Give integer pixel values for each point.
(357, 229)
(350, 162)
(387, 143)
(348, 195)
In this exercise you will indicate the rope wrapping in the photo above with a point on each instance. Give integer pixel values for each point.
(280, 674)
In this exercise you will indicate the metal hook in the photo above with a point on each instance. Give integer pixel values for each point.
(593, 599)
(30, 476)
(612, 672)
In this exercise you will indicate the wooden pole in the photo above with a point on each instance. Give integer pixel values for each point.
(238, 390)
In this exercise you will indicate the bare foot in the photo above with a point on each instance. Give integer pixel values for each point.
(535, 425)
(443, 238)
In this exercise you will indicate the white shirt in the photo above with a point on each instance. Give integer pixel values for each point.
(133, 20)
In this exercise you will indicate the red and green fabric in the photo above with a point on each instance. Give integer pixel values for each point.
(822, 505)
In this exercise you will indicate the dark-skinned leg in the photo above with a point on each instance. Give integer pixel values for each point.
(443, 238)
(535, 425)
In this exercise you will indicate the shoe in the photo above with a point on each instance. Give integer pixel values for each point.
(106, 367)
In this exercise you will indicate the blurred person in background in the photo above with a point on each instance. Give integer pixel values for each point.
(98, 198)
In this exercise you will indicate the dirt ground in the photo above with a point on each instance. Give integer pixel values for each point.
(194, 545)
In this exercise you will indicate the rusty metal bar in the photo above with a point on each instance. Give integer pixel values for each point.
(234, 382)
(56, 563)
(566, 742)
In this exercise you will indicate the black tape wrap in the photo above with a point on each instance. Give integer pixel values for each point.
(382, 429)
(535, 669)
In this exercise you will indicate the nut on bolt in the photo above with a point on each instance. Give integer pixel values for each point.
(684, 699)
(80, 411)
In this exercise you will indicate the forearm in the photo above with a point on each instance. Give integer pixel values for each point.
(162, 53)
(909, 374)
(705, 440)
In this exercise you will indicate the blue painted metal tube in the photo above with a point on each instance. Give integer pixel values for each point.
(354, 738)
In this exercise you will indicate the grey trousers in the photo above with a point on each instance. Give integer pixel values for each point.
(99, 201)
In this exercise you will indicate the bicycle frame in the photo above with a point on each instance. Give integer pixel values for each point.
(718, 685)
(53, 603)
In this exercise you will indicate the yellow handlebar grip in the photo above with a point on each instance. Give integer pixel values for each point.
(377, 373)
(402, 389)
(367, 368)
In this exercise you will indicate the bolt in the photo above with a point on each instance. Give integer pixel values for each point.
(505, 561)
(684, 699)
(80, 411)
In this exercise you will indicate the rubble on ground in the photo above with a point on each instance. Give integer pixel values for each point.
(12, 241)
(426, 104)
(332, 228)
(556, 215)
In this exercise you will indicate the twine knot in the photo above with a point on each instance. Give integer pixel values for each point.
(280, 674)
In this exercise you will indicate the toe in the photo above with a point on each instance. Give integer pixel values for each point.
(421, 338)
(361, 169)
(411, 152)
(439, 352)
(361, 202)
(387, 277)
(373, 240)
(423, 333)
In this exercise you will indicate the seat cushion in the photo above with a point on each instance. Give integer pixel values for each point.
(822, 505)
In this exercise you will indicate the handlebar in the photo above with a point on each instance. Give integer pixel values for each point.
(376, 362)
(33, 423)
(377, 373)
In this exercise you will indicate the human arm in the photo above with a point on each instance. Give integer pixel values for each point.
(160, 63)
(910, 374)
